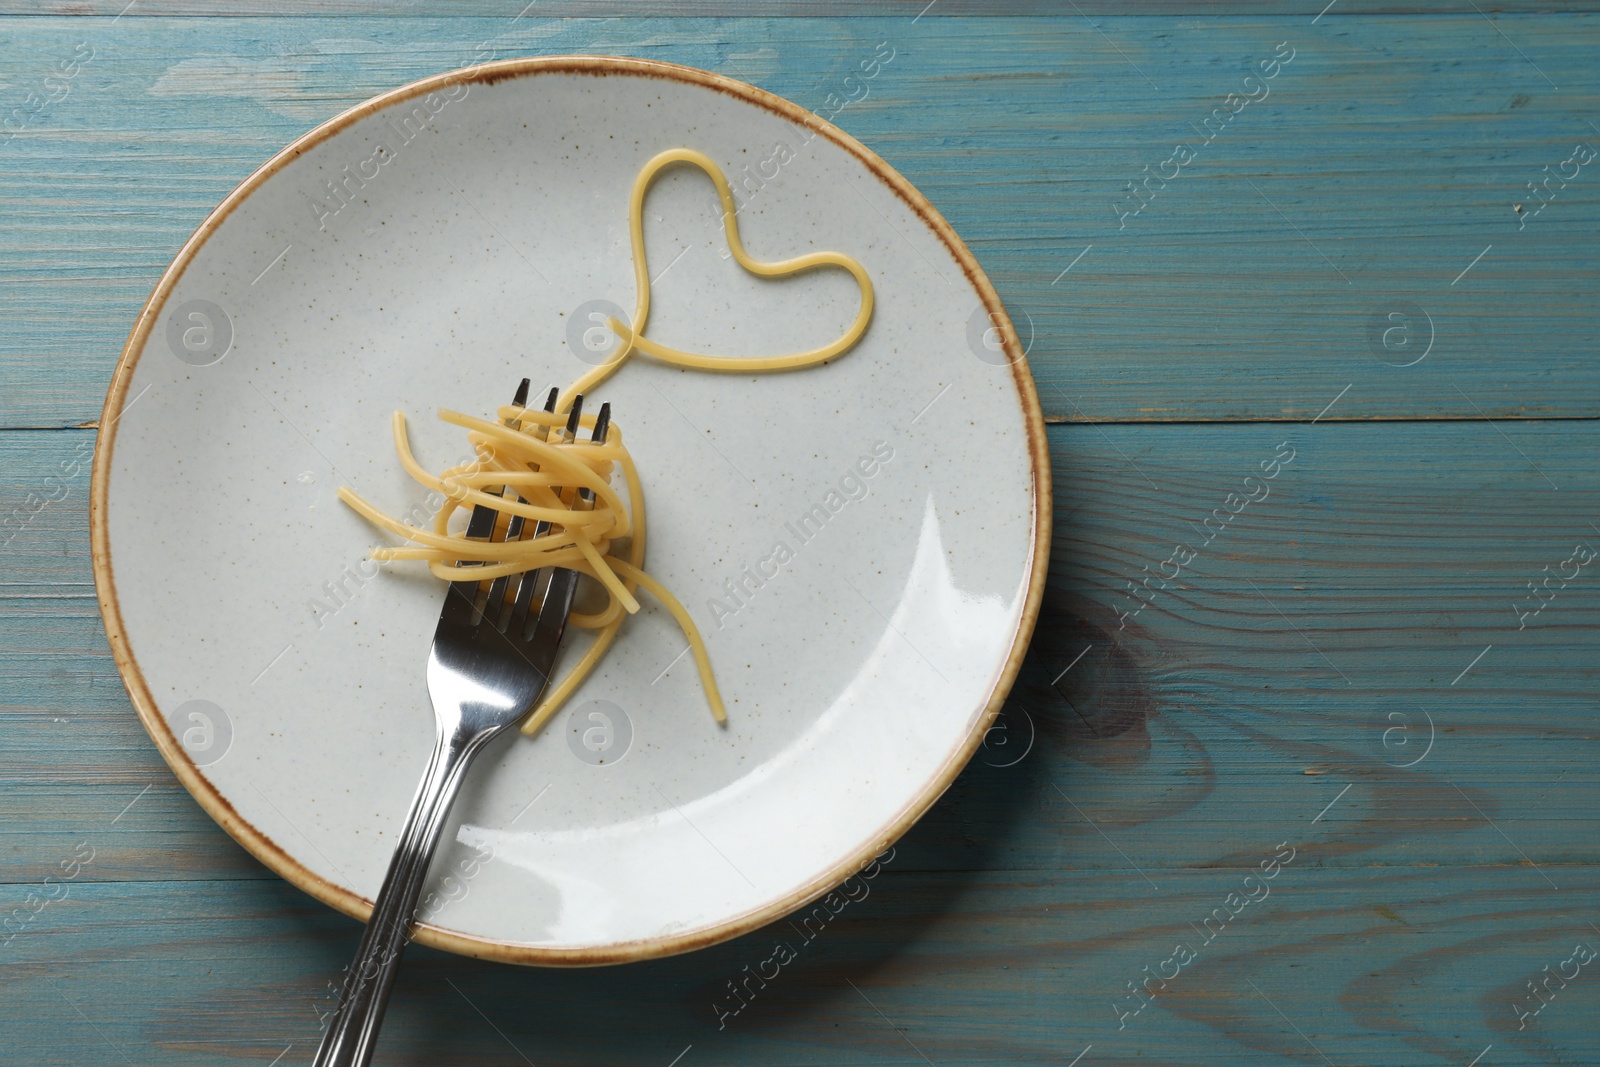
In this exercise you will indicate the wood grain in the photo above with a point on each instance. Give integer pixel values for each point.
(1360, 966)
(1306, 647)
(1387, 157)
(1348, 664)
(910, 10)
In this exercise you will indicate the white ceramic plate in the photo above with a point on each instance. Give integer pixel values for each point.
(431, 247)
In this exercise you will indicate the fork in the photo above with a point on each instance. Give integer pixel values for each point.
(488, 664)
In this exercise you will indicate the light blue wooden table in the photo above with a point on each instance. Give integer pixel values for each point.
(1345, 679)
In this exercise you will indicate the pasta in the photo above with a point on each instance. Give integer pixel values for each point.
(544, 474)
(528, 458)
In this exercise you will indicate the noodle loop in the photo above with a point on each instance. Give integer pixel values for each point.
(527, 458)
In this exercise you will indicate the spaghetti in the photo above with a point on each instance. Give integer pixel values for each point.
(567, 484)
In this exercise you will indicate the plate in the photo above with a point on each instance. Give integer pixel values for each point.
(863, 543)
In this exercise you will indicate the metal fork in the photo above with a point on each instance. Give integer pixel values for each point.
(486, 668)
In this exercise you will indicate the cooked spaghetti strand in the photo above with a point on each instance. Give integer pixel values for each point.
(632, 337)
(542, 473)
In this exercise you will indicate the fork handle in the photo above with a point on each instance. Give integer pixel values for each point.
(352, 1034)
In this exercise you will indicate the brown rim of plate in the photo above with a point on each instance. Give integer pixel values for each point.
(274, 856)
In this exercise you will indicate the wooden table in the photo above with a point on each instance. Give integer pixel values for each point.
(1349, 674)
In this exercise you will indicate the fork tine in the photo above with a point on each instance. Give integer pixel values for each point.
(496, 606)
(530, 579)
(458, 603)
(461, 599)
(517, 625)
(571, 431)
(563, 585)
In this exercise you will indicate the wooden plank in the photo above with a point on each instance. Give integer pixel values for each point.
(1378, 176)
(1368, 965)
(44, 514)
(1336, 629)
(916, 10)
(1350, 664)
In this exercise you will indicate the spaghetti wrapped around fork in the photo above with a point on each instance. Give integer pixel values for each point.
(541, 473)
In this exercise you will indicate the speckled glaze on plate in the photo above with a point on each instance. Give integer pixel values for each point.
(863, 543)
